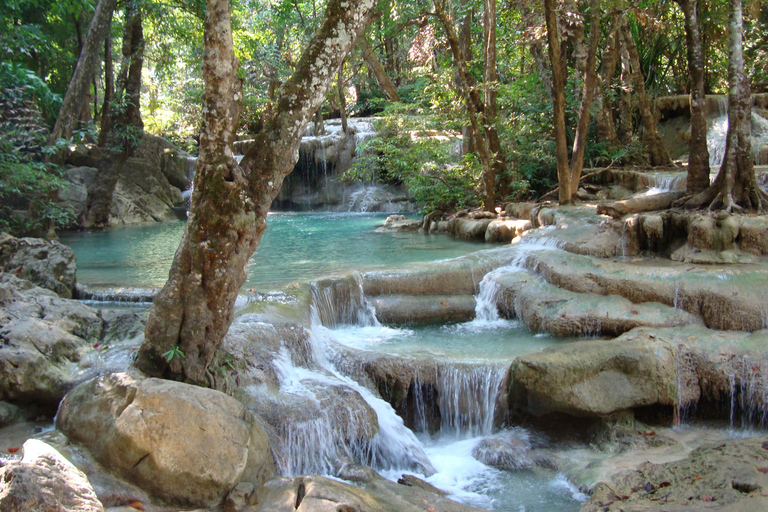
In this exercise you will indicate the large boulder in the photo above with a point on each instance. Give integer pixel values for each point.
(183, 444)
(46, 338)
(43, 480)
(593, 378)
(48, 264)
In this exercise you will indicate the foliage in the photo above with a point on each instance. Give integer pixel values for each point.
(24, 176)
(408, 149)
(174, 352)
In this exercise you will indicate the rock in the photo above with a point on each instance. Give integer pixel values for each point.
(524, 211)
(315, 494)
(45, 481)
(198, 445)
(509, 449)
(240, 495)
(423, 309)
(162, 155)
(754, 235)
(723, 476)
(399, 223)
(593, 378)
(142, 194)
(9, 413)
(471, 229)
(544, 307)
(49, 342)
(48, 264)
(504, 231)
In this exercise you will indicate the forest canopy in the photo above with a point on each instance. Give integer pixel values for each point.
(406, 68)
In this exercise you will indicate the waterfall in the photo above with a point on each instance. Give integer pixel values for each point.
(717, 135)
(467, 398)
(749, 393)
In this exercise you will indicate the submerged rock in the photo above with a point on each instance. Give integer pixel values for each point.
(182, 444)
(43, 480)
(510, 449)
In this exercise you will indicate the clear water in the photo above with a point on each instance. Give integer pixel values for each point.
(501, 340)
(295, 247)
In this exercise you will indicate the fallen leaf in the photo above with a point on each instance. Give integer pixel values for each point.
(648, 434)
(563, 315)
(707, 497)
(136, 505)
(695, 478)
(445, 303)
(96, 345)
(13, 450)
(664, 484)
(763, 470)
(634, 312)
(431, 509)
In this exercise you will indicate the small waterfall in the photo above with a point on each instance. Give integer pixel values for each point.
(116, 295)
(749, 392)
(468, 397)
(338, 301)
(660, 183)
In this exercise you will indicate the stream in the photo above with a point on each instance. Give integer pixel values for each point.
(473, 358)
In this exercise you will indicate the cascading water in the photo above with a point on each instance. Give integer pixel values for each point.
(717, 133)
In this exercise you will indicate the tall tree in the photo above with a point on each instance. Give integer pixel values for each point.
(119, 136)
(698, 154)
(657, 152)
(569, 173)
(84, 71)
(370, 58)
(735, 188)
(558, 102)
(194, 310)
(474, 106)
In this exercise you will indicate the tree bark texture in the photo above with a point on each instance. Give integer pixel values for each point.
(657, 152)
(194, 310)
(698, 154)
(558, 103)
(472, 101)
(84, 71)
(735, 188)
(370, 58)
(122, 133)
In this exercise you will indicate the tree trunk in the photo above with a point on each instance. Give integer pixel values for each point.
(109, 94)
(498, 161)
(605, 126)
(640, 204)
(625, 126)
(698, 153)
(558, 103)
(465, 44)
(123, 133)
(657, 152)
(473, 104)
(370, 58)
(78, 86)
(194, 310)
(735, 188)
(588, 92)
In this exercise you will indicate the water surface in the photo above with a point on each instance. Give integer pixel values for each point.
(295, 247)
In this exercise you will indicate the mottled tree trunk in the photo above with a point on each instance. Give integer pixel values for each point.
(465, 44)
(735, 188)
(194, 310)
(657, 152)
(79, 84)
(698, 153)
(342, 99)
(474, 105)
(625, 126)
(558, 103)
(370, 58)
(123, 133)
